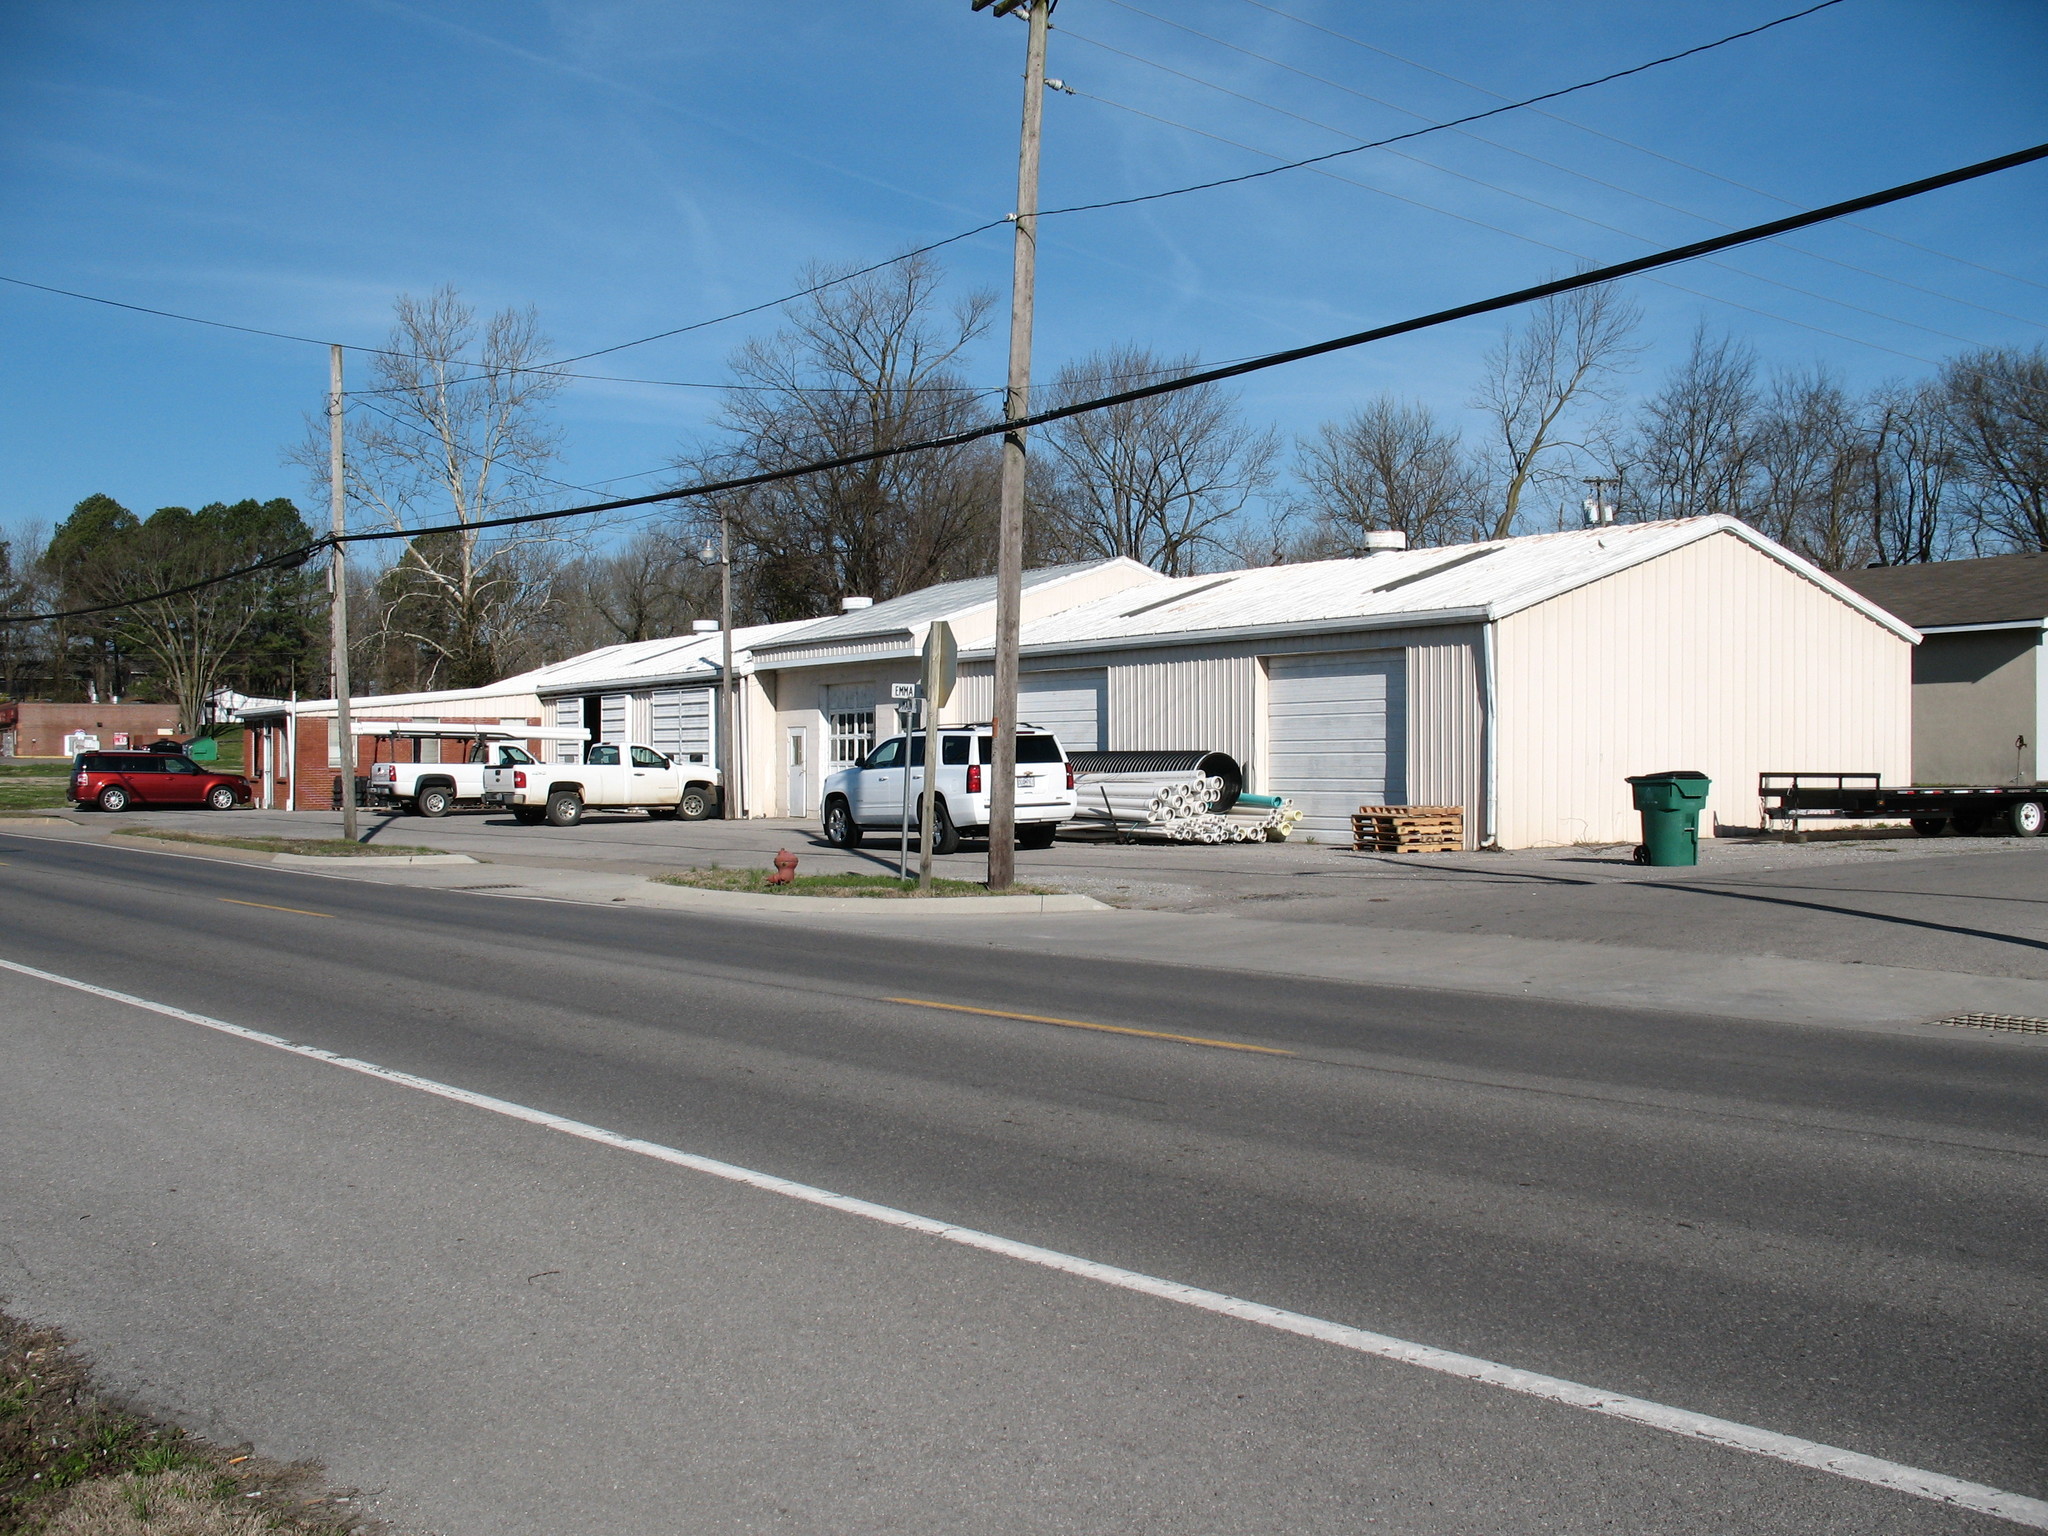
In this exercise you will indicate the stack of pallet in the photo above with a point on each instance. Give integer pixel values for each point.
(1408, 829)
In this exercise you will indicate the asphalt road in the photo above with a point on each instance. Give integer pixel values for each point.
(1832, 1235)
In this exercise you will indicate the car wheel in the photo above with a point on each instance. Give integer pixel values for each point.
(1930, 826)
(433, 802)
(565, 808)
(113, 798)
(1037, 834)
(945, 836)
(529, 815)
(695, 804)
(841, 830)
(220, 798)
(2026, 818)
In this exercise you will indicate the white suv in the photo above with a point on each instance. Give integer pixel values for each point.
(868, 796)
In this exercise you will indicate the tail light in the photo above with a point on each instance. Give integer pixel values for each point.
(974, 778)
(1070, 775)
(518, 779)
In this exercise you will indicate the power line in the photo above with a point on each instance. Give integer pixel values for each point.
(1391, 106)
(1490, 186)
(1599, 133)
(1512, 234)
(1416, 133)
(1556, 286)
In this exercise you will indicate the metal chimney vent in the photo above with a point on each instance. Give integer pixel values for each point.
(1382, 541)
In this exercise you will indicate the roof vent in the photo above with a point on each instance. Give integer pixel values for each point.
(1382, 541)
(855, 604)
(704, 626)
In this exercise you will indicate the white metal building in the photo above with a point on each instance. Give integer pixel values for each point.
(1522, 679)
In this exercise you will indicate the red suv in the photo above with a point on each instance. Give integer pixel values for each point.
(113, 781)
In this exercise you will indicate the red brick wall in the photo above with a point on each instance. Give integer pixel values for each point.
(316, 777)
(43, 727)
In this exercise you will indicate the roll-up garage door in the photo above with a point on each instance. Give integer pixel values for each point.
(1336, 729)
(1072, 705)
(569, 713)
(683, 723)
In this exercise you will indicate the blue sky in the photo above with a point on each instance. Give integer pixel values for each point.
(627, 166)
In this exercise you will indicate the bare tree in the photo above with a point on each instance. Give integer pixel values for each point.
(1913, 502)
(452, 429)
(1390, 465)
(1694, 450)
(1161, 480)
(1539, 381)
(1996, 407)
(1814, 470)
(869, 363)
(650, 587)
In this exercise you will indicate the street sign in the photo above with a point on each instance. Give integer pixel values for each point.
(941, 663)
(903, 690)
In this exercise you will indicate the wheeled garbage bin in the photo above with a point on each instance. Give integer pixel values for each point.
(1670, 804)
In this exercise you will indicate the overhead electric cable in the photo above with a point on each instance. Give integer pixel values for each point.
(1391, 106)
(1513, 234)
(1612, 138)
(1416, 133)
(1491, 186)
(1520, 296)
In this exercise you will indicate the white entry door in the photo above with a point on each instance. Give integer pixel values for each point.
(1072, 705)
(1336, 730)
(796, 759)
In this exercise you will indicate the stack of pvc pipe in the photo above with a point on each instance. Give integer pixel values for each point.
(1146, 799)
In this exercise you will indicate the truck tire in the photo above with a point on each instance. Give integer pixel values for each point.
(841, 830)
(1037, 834)
(2026, 818)
(433, 802)
(695, 804)
(529, 815)
(565, 808)
(1930, 826)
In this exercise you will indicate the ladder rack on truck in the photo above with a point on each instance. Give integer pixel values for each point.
(2009, 810)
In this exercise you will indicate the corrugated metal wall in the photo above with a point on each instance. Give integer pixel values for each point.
(1444, 721)
(1714, 657)
(1186, 697)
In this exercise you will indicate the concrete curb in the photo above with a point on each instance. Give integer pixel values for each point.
(330, 860)
(839, 906)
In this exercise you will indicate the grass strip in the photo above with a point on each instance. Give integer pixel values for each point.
(32, 795)
(885, 887)
(318, 847)
(73, 1463)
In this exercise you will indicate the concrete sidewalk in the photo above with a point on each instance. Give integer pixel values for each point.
(1353, 938)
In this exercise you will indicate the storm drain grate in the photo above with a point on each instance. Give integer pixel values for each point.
(502, 885)
(1998, 1021)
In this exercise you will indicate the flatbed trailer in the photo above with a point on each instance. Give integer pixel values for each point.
(1999, 810)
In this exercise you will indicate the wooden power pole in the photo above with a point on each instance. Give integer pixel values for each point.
(337, 608)
(1002, 810)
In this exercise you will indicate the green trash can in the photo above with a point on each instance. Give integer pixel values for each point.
(203, 749)
(1670, 804)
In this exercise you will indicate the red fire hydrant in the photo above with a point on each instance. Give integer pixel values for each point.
(785, 868)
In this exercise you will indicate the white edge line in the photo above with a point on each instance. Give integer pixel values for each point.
(1933, 1486)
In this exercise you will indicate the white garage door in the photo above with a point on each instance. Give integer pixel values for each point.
(1072, 705)
(1336, 728)
(681, 723)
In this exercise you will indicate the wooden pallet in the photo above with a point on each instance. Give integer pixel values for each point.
(1408, 829)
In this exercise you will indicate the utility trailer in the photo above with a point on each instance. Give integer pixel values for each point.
(1996, 810)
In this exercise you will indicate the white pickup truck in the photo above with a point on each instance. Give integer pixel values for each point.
(611, 777)
(435, 789)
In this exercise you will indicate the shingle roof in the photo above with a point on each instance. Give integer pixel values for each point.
(2002, 589)
(923, 606)
(1488, 580)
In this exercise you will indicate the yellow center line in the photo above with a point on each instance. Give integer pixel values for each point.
(1108, 1029)
(266, 906)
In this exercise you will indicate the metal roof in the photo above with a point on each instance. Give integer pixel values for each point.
(641, 663)
(2002, 589)
(1463, 582)
(924, 606)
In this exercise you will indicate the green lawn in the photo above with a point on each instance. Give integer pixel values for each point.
(326, 847)
(22, 793)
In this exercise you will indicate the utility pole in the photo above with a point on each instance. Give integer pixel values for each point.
(1002, 810)
(337, 609)
(730, 801)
